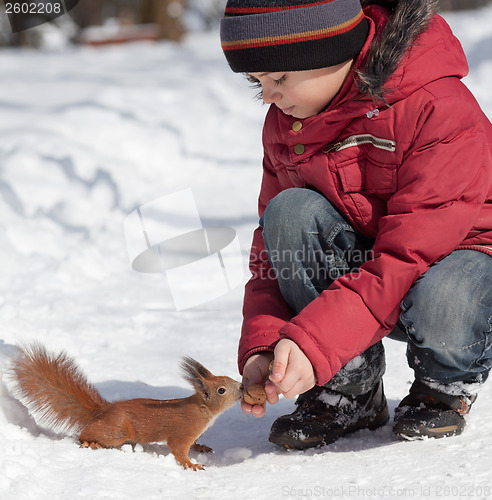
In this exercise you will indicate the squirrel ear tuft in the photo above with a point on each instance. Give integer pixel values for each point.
(189, 365)
(195, 373)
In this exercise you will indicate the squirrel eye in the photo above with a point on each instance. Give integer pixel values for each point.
(221, 390)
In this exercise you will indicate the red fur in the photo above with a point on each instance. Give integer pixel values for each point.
(54, 387)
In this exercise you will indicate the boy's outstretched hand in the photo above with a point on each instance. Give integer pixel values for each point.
(256, 371)
(292, 374)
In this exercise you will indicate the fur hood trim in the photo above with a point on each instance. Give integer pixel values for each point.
(407, 20)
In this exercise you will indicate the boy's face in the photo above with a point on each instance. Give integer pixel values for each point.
(302, 93)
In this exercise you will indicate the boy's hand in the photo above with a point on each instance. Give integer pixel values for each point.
(292, 374)
(256, 371)
(292, 371)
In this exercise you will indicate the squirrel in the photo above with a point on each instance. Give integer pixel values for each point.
(54, 387)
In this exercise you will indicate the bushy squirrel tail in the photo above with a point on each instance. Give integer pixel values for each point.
(53, 387)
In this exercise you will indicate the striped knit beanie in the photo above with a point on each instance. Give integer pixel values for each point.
(291, 35)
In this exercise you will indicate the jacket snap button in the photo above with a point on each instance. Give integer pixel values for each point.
(296, 126)
(299, 149)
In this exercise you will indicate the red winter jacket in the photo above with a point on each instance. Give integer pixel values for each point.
(415, 176)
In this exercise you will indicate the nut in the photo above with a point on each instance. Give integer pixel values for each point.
(255, 394)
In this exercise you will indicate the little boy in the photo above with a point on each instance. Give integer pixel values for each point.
(375, 216)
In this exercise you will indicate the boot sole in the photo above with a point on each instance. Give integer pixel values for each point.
(420, 431)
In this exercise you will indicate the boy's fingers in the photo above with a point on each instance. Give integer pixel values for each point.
(280, 360)
(246, 407)
(256, 410)
(271, 392)
(297, 388)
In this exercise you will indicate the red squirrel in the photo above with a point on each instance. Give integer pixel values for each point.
(53, 386)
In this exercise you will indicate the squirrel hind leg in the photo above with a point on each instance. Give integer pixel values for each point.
(180, 452)
(190, 465)
(197, 467)
(185, 462)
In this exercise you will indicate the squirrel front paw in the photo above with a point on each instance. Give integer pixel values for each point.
(201, 448)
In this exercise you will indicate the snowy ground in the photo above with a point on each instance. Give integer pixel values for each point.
(86, 136)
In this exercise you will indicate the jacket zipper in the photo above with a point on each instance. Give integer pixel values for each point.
(356, 140)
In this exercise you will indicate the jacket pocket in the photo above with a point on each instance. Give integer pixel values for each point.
(364, 174)
(365, 163)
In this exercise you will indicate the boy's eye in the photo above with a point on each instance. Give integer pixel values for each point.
(278, 81)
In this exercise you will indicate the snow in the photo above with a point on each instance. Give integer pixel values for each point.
(87, 136)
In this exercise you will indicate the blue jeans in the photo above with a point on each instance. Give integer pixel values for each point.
(446, 316)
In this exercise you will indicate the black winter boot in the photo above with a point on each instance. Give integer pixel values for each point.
(323, 415)
(426, 412)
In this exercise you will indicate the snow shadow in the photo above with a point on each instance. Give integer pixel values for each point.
(237, 437)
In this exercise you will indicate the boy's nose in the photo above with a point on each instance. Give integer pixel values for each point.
(271, 96)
